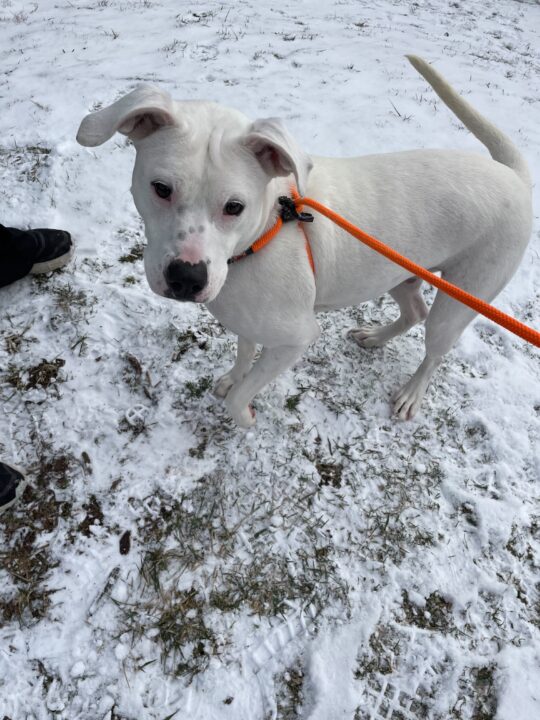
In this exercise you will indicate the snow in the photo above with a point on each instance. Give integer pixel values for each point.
(332, 562)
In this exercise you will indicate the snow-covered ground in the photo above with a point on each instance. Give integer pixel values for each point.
(332, 563)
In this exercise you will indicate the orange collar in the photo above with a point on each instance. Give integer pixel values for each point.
(291, 209)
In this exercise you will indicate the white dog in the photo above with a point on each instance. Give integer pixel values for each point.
(207, 181)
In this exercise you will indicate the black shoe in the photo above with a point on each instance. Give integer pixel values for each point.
(32, 251)
(41, 250)
(12, 484)
(54, 249)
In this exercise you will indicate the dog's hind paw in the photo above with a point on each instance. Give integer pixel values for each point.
(223, 385)
(407, 401)
(369, 335)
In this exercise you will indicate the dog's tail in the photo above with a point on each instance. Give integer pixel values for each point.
(501, 148)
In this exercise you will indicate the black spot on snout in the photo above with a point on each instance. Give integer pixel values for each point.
(184, 280)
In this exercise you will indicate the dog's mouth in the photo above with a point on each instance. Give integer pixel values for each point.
(199, 298)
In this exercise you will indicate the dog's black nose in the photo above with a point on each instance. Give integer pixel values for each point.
(185, 280)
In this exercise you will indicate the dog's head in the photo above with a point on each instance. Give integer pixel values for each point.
(202, 183)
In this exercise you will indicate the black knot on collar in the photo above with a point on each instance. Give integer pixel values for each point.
(289, 212)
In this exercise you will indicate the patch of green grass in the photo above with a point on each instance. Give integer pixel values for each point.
(134, 255)
(185, 341)
(398, 519)
(199, 450)
(176, 623)
(187, 642)
(80, 345)
(193, 536)
(69, 300)
(14, 376)
(265, 586)
(292, 401)
(30, 161)
(13, 340)
(200, 387)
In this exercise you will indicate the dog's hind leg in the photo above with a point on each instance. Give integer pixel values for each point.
(245, 354)
(485, 274)
(412, 308)
(407, 401)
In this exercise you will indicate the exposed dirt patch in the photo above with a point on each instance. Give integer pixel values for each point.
(435, 615)
(94, 516)
(290, 696)
(43, 375)
(55, 470)
(381, 655)
(329, 473)
(26, 560)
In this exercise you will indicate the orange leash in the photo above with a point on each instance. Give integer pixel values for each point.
(479, 306)
(455, 292)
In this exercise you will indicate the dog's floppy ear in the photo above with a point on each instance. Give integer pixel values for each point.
(137, 114)
(277, 151)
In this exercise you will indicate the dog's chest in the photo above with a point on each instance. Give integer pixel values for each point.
(266, 300)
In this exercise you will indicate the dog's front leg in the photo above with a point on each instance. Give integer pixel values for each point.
(244, 360)
(269, 365)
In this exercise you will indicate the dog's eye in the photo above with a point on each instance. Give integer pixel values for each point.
(233, 207)
(163, 191)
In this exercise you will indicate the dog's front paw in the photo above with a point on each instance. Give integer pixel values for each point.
(223, 385)
(407, 401)
(368, 336)
(243, 417)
